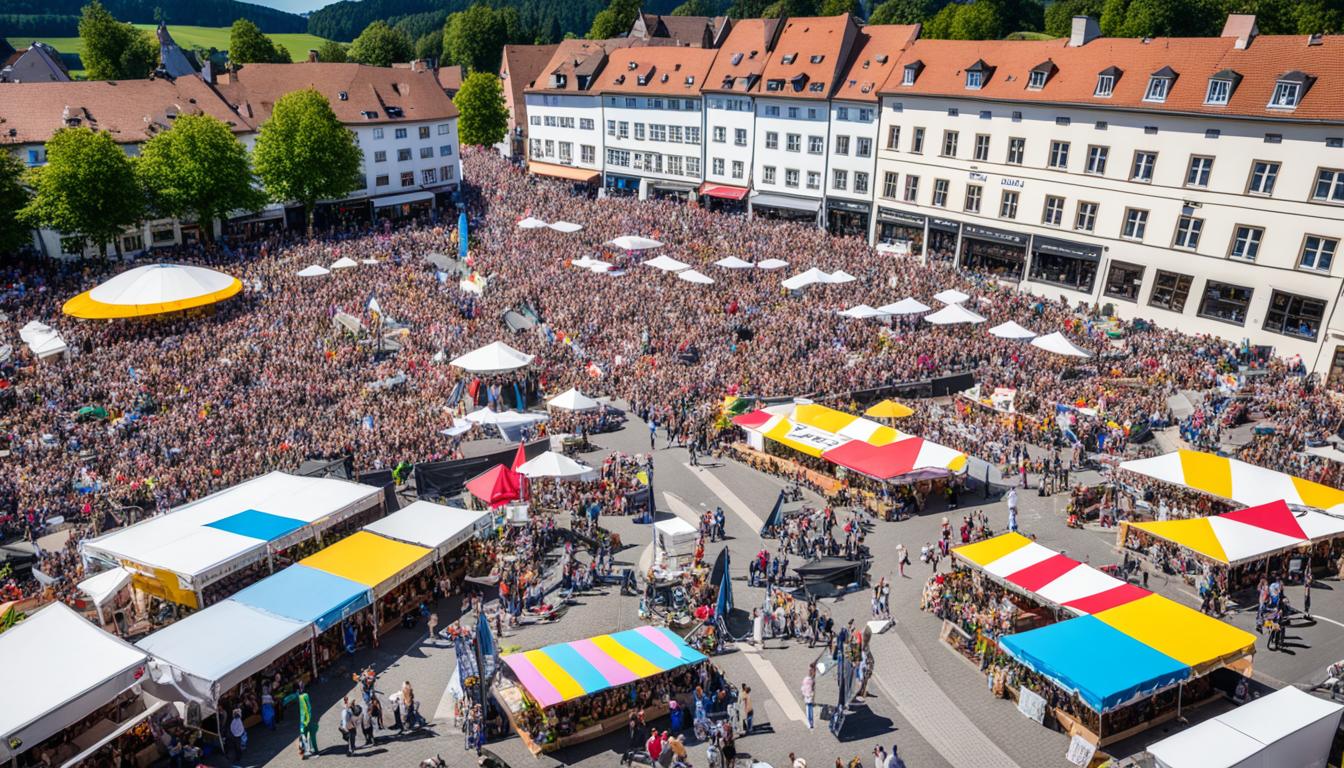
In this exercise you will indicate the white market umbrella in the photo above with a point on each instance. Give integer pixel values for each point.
(1059, 344)
(313, 270)
(953, 314)
(694, 276)
(951, 296)
(635, 243)
(495, 357)
(583, 262)
(804, 279)
(532, 223)
(733, 262)
(667, 264)
(599, 266)
(370, 261)
(905, 307)
(841, 276)
(1011, 330)
(573, 400)
(557, 465)
(772, 264)
(568, 227)
(863, 312)
(345, 262)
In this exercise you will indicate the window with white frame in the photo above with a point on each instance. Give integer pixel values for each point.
(1144, 164)
(794, 142)
(814, 179)
(611, 127)
(716, 166)
(890, 185)
(860, 182)
(1286, 95)
(1136, 224)
(949, 143)
(1263, 175)
(893, 137)
(975, 79)
(738, 169)
(974, 193)
(1219, 92)
(791, 177)
(815, 145)
(839, 179)
(1017, 150)
(1246, 242)
(585, 123)
(982, 147)
(863, 147)
(1329, 186)
(771, 140)
(842, 145)
(1318, 253)
(1086, 218)
(1105, 85)
(740, 137)
(1008, 204)
(1053, 213)
(911, 188)
(1158, 88)
(1059, 155)
(1188, 230)
(444, 129)
(587, 154)
(917, 141)
(940, 193)
(1197, 175)
(1096, 160)
(768, 174)
(720, 134)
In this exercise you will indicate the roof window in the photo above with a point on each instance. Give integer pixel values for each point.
(817, 87)
(1289, 90)
(343, 96)
(816, 58)
(1106, 82)
(369, 115)
(789, 58)
(1159, 85)
(737, 59)
(1221, 87)
(911, 72)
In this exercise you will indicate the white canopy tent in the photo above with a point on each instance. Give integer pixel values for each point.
(667, 264)
(59, 669)
(438, 527)
(733, 262)
(840, 276)
(313, 270)
(345, 262)
(161, 284)
(905, 306)
(801, 280)
(33, 329)
(567, 227)
(1011, 330)
(953, 314)
(495, 357)
(772, 264)
(674, 538)
(1059, 344)
(1288, 728)
(370, 261)
(635, 243)
(950, 296)
(46, 343)
(557, 465)
(103, 587)
(695, 276)
(573, 400)
(532, 223)
(504, 419)
(599, 266)
(862, 312)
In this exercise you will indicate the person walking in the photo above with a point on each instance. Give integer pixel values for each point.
(653, 433)
(349, 725)
(1012, 509)
(366, 723)
(809, 691)
(902, 559)
(307, 726)
(747, 712)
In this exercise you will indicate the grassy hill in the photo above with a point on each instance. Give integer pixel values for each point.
(190, 37)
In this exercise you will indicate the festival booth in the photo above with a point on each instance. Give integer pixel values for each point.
(1288, 728)
(439, 528)
(553, 696)
(386, 566)
(153, 289)
(106, 591)
(43, 340)
(674, 544)
(201, 552)
(1233, 480)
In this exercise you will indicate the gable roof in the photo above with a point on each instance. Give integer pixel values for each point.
(573, 59)
(743, 55)
(656, 71)
(810, 53)
(450, 78)
(693, 31)
(876, 52)
(38, 63)
(519, 68)
(389, 95)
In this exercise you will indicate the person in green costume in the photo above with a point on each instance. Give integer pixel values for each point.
(307, 726)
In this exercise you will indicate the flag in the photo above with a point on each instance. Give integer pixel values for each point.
(373, 307)
(725, 603)
(485, 642)
(519, 459)
(462, 234)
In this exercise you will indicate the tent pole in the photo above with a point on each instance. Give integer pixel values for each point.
(312, 653)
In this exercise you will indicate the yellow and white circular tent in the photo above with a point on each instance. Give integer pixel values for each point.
(153, 289)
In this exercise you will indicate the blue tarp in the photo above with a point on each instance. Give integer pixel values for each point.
(307, 595)
(255, 524)
(1104, 666)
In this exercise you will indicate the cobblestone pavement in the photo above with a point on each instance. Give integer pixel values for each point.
(925, 698)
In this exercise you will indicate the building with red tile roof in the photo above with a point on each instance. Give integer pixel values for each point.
(730, 112)
(519, 68)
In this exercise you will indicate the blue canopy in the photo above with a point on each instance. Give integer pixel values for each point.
(307, 595)
(256, 524)
(1104, 666)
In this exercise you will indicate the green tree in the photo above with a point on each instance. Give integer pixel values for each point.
(430, 46)
(305, 154)
(901, 12)
(939, 26)
(839, 7)
(748, 9)
(1113, 17)
(332, 52)
(475, 38)
(380, 45)
(247, 45)
(13, 197)
(1319, 17)
(87, 188)
(483, 119)
(1059, 16)
(693, 8)
(114, 50)
(199, 170)
(979, 20)
(614, 20)
(781, 9)
(551, 32)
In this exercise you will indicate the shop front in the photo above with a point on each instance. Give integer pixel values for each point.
(584, 180)
(1064, 263)
(622, 186)
(671, 190)
(900, 230)
(942, 241)
(724, 198)
(785, 208)
(411, 205)
(995, 252)
(848, 218)
(267, 221)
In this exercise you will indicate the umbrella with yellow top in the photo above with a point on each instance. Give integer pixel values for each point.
(153, 289)
(889, 409)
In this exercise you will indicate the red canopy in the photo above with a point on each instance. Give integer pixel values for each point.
(724, 191)
(753, 419)
(880, 461)
(1034, 577)
(1274, 516)
(1125, 593)
(495, 486)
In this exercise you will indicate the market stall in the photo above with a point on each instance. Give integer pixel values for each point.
(435, 526)
(106, 590)
(1234, 480)
(1288, 727)
(386, 566)
(307, 595)
(1045, 576)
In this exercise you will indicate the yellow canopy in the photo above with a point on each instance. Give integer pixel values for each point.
(371, 560)
(889, 409)
(153, 289)
(1190, 637)
(1194, 533)
(822, 417)
(985, 552)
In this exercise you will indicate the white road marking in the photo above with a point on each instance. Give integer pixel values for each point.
(779, 690)
(729, 498)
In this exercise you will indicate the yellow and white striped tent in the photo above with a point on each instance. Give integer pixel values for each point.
(1235, 480)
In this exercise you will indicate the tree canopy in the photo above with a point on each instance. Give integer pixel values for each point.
(114, 50)
(615, 20)
(87, 188)
(484, 118)
(693, 8)
(332, 52)
(197, 169)
(380, 45)
(475, 38)
(305, 154)
(249, 45)
(13, 197)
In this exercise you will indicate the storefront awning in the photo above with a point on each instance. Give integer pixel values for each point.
(585, 175)
(672, 186)
(1065, 248)
(766, 200)
(724, 191)
(409, 197)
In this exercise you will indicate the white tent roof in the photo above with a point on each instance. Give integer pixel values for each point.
(59, 668)
(951, 296)
(772, 264)
(804, 279)
(1011, 330)
(841, 276)
(905, 306)
(568, 227)
(504, 419)
(695, 276)
(370, 261)
(599, 266)
(438, 527)
(160, 284)
(666, 264)
(583, 262)
(953, 314)
(345, 262)
(532, 223)
(495, 357)
(1288, 727)
(635, 243)
(863, 312)
(675, 526)
(104, 585)
(211, 651)
(32, 329)
(313, 270)
(733, 262)
(1059, 344)
(552, 464)
(573, 400)
(46, 343)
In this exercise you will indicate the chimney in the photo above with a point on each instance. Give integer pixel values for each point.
(1085, 30)
(312, 55)
(1241, 26)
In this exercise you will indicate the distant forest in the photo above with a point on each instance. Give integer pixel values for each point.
(60, 18)
(346, 19)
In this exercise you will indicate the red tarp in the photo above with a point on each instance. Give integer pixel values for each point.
(724, 191)
(880, 461)
(1102, 601)
(1274, 516)
(1033, 577)
(495, 486)
(752, 420)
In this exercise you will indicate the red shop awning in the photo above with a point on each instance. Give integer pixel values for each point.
(724, 191)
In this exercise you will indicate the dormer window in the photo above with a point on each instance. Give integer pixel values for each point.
(978, 74)
(1106, 82)
(974, 80)
(369, 115)
(817, 87)
(816, 58)
(1159, 85)
(789, 58)
(774, 85)
(690, 79)
(911, 72)
(560, 80)
(1289, 90)
(1036, 80)
(1221, 87)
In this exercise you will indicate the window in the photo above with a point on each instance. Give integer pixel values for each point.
(973, 195)
(674, 165)
(1263, 176)
(863, 147)
(1246, 242)
(611, 127)
(429, 176)
(860, 182)
(566, 152)
(535, 145)
(975, 79)
(814, 179)
(1096, 160)
(890, 184)
(380, 181)
(1086, 218)
(839, 179)
(1008, 205)
(655, 134)
(908, 76)
(1123, 281)
(768, 174)
(794, 142)
(793, 113)
(424, 131)
(1188, 229)
(585, 124)
(1036, 79)
(588, 154)
(716, 166)
(1017, 150)
(623, 130)
(446, 150)
(772, 110)
(842, 145)
(1293, 315)
(815, 145)
(1318, 253)
(1059, 155)
(426, 152)
(739, 169)
(740, 137)
(917, 141)
(1329, 186)
(1225, 302)
(982, 147)
(720, 134)
(1136, 224)
(1105, 86)
(949, 143)
(1285, 95)
(1158, 87)
(1170, 290)
(380, 156)
(377, 133)
(618, 157)
(1219, 92)
(404, 155)
(400, 133)
(408, 178)
(1197, 175)
(911, 188)
(1144, 163)
(1054, 211)
(940, 192)
(893, 137)
(771, 140)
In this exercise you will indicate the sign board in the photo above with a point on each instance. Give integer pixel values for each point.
(1031, 704)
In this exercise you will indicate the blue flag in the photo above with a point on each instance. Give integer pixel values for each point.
(725, 603)
(462, 235)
